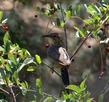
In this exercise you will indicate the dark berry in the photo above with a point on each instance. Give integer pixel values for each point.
(89, 46)
(35, 16)
(73, 60)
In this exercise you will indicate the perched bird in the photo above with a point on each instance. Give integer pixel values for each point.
(58, 53)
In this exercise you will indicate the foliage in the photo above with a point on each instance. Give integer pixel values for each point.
(96, 15)
(14, 59)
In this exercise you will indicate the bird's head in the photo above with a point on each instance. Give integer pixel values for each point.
(52, 35)
(55, 38)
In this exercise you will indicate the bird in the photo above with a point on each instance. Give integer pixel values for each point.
(57, 52)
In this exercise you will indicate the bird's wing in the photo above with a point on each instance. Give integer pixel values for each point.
(53, 52)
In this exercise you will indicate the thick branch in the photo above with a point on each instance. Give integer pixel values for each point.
(65, 31)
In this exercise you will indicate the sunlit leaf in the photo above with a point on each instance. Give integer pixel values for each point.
(38, 59)
(1, 15)
(8, 67)
(74, 88)
(26, 62)
(31, 69)
(68, 14)
(48, 99)
(6, 38)
(39, 85)
(91, 9)
(83, 84)
(12, 58)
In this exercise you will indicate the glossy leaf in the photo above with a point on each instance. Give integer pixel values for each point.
(38, 59)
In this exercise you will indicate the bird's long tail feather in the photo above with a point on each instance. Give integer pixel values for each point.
(65, 75)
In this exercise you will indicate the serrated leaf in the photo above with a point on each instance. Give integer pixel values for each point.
(38, 59)
(75, 88)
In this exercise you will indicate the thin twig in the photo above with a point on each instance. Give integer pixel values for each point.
(52, 69)
(1, 89)
(78, 48)
(44, 93)
(13, 94)
(65, 31)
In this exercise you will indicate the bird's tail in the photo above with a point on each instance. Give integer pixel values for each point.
(65, 75)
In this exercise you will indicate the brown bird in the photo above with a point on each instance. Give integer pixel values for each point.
(57, 52)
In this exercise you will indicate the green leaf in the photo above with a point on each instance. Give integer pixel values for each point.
(62, 24)
(8, 67)
(38, 83)
(68, 14)
(39, 86)
(6, 38)
(101, 98)
(91, 9)
(75, 88)
(27, 61)
(31, 69)
(1, 15)
(80, 31)
(48, 99)
(24, 87)
(83, 84)
(38, 59)
(89, 100)
(7, 42)
(12, 58)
